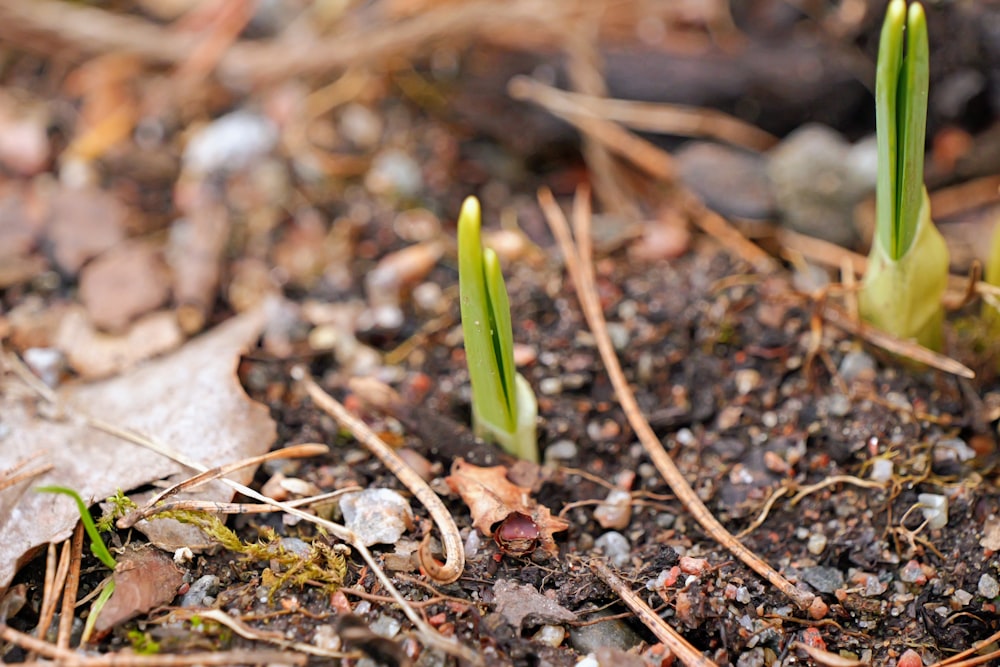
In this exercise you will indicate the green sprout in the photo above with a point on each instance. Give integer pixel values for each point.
(98, 548)
(908, 265)
(503, 405)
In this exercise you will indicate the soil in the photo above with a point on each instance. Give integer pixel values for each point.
(777, 419)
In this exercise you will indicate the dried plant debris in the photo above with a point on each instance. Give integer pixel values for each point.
(191, 400)
(493, 499)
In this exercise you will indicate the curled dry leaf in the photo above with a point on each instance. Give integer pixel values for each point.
(491, 498)
(145, 578)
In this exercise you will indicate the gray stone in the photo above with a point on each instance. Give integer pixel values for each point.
(729, 180)
(823, 579)
(816, 184)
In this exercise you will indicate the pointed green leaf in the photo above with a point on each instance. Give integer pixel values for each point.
(890, 55)
(488, 394)
(502, 332)
(912, 127)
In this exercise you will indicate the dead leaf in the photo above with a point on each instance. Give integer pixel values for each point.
(94, 355)
(145, 578)
(491, 497)
(123, 283)
(83, 223)
(518, 603)
(190, 400)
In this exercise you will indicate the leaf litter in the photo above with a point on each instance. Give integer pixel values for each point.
(191, 399)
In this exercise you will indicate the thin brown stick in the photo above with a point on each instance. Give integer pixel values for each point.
(578, 263)
(454, 550)
(654, 161)
(908, 349)
(42, 24)
(69, 658)
(306, 450)
(674, 119)
(71, 588)
(679, 646)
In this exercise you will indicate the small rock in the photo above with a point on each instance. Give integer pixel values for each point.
(202, 592)
(816, 544)
(615, 546)
(612, 634)
(935, 509)
(46, 362)
(550, 635)
(912, 573)
(910, 658)
(616, 510)
(230, 143)
(812, 186)
(991, 533)
(377, 516)
(823, 579)
(561, 450)
(988, 587)
(360, 125)
(385, 626)
(393, 172)
(882, 470)
(729, 180)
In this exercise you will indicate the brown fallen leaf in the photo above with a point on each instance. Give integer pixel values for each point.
(518, 603)
(491, 498)
(123, 283)
(145, 578)
(191, 400)
(94, 355)
(82, 224)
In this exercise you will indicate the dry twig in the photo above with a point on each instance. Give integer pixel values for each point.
(663, 118)
(454, 550)
(679, 646)
(578, 262)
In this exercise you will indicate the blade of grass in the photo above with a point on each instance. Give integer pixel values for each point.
(886, 83)
(96, 543)
(911, 123)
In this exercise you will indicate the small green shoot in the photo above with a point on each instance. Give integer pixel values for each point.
(908, 265)
(504, 408)
(98, 548)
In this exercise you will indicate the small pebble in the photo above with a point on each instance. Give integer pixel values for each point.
(616, 510)
(912, 573)
(615, 546)
(377, 516)
(743, 595)
(202, 589)
(823, 579)
(550, 386)
(935, 509)
(910, 658)
(47, 363)
(962, 597)
(561, 450)
(550, 635)
(393, 172)
(816, 543)
(385, 626)
(230, 142)
(988, 587)
(619, 335)
(611, 634)
(881, 470)
(855, 365)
